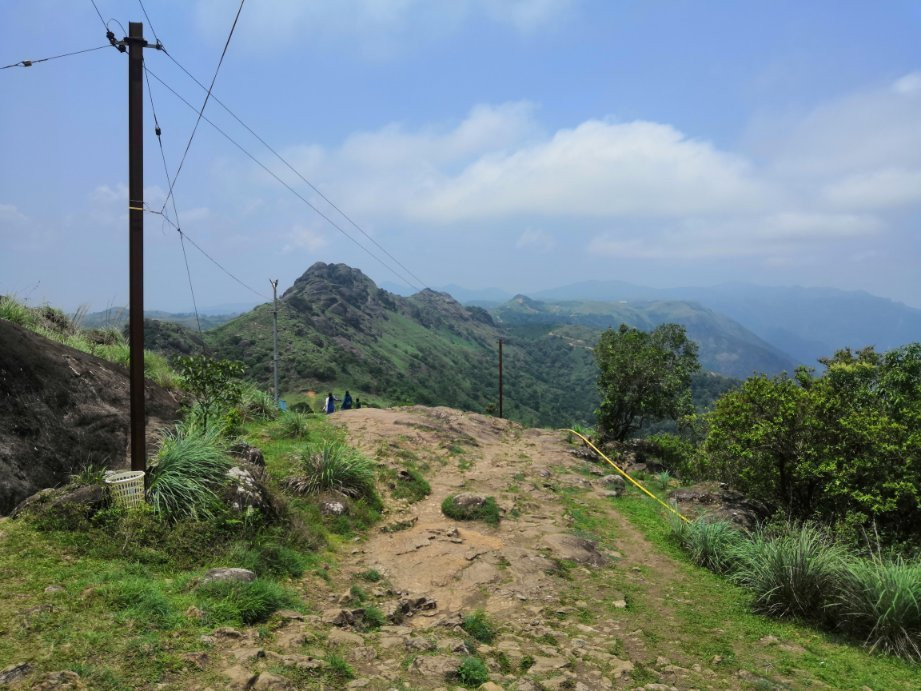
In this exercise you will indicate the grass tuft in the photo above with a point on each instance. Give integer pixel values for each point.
(472, 672)
(488, 511)
(480, 626)
(291, 425)
(235, 602)
(185, 474)
(710, 543)
(14, 311)
(333, 466)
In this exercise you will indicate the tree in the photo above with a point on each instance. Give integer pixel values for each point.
(643, 377)
(214, 384)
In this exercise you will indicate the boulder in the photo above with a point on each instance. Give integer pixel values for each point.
(61, 409)
(577, 549)
(245, 490)
(719, 501)
(614, 481)
(85, 499)
(226, 573)
(333, 508)
(466, 500)
(251, 455)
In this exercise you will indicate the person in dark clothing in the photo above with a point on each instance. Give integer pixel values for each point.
(347, 401)
(330, 405)
(357, 403)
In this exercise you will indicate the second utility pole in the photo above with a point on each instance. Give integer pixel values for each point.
(500, 377)
(275, 335)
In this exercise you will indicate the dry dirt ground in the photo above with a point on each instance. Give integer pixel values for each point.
(563, 606)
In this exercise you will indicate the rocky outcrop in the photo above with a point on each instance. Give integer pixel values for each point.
(60, 410)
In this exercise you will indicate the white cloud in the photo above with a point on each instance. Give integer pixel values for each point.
(537, 240)
(10, 216)
(876, 189)
(303, 238)
(373, 28)
(909, 84)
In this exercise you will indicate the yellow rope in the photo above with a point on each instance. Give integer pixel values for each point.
(626, 475)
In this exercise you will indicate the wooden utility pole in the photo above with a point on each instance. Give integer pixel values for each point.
(500, 378)
(275, 335)
(136, 43)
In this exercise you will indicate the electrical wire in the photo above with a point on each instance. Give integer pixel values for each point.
(201, 112)
(295, 171)
(286, 185)
(29, 63)
(185, 256)
(101, 19)
(149, 23)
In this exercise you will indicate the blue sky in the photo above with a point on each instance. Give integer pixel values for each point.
(522, 144)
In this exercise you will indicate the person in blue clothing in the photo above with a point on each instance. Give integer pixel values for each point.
(330, 405)
(347, 401)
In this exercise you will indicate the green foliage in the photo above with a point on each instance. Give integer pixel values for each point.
(480, 626)
(339, 668)
(333, 466)
(880, 601)
(411, 485)
(372, 617)
(185, 475)
(268, 559)
(643, 377)
(237, 602)
(487, 512)
(90, 474)
(710, 543)
(213, 384)
(143, 601)
(676, 453)
(16, 312)
(842, 447)
(472, 672)
(256, 404)
(792, 574)
(371, 575)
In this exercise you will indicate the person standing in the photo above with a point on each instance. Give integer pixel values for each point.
(330, 405)
(347, 401)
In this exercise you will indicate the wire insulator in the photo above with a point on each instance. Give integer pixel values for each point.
(157, 130)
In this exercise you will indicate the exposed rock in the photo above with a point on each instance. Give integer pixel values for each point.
(577, 549)
(489, 686)
(301, 662)
(722, 502)
(227, 573)
(61, 409)
(55, 589)
(15, 672)
(614, 481)
(466, 500)
(340, 637)
(65, 680)
(333, 508)
(199, 659)
(420, 644)
(248, 454)
(239, 678)
(245, 490)
(265, 680)
(86, 498)
(436, 666)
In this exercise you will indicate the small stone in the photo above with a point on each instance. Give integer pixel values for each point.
(265, 680)
(225, 573)
(65, 680)
(716, 659)
(333, 508)
(490, 686)
(194, 613)
(53, 589)
(199, 659)
(289, 615)
(338, 636)
(420, 644)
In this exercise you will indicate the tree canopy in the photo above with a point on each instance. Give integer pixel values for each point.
(644, 377)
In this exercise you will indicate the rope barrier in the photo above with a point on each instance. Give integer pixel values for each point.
(627, 476)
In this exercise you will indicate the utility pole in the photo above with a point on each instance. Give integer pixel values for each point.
(500, 378)
(136, 43)
(275, 334)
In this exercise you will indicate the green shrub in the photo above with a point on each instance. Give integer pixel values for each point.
(269, 559)
(338, 668)
(90, 474)
(373, 617)
(236, 602)
(710, 543)
(472, 672)
(880, 601)
(334, 466)
(480, 626)
(791, 575)
(256, 404)
(16, 312)
(487, 512)
(371, 575)
(676, 453)
(185, 474)
(411, 485)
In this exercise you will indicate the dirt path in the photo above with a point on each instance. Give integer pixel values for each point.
(580, 598)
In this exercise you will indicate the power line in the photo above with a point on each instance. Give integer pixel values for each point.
(185, 256)
(296, 172)
(286, 185)
(149, 23)
(29, 63)
(201, 112)
(101, 18)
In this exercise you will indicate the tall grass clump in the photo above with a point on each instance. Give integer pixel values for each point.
(333, 466)
(14, 311)
(235, 602)
(256, 404)
(291, 425)
(792, 574)
(710, 543)
(880, 601)
(185, 475)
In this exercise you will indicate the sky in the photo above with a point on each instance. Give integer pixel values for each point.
(518, 144)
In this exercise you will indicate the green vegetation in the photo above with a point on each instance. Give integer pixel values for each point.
(643, 377)
(711, 544)
(472, 672)
(214, 385)
(479, 626)
(292, 425)
(333, 466)
(234, 602)
(186, 475)
(409, 484)
(487, 512)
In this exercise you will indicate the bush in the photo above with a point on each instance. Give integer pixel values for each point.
(256, 404)
(675, 453)
(185, 474)
(16, 312)
(269, 559)
(472, 672)
(488, 511)
(480, 626)
(236, 602)
(710, 543)
(880, 602)
(334, 466)
(791, 575)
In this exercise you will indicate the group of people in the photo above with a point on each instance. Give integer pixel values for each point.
(329, 405)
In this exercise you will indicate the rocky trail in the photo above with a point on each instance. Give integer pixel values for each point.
(579, 597)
